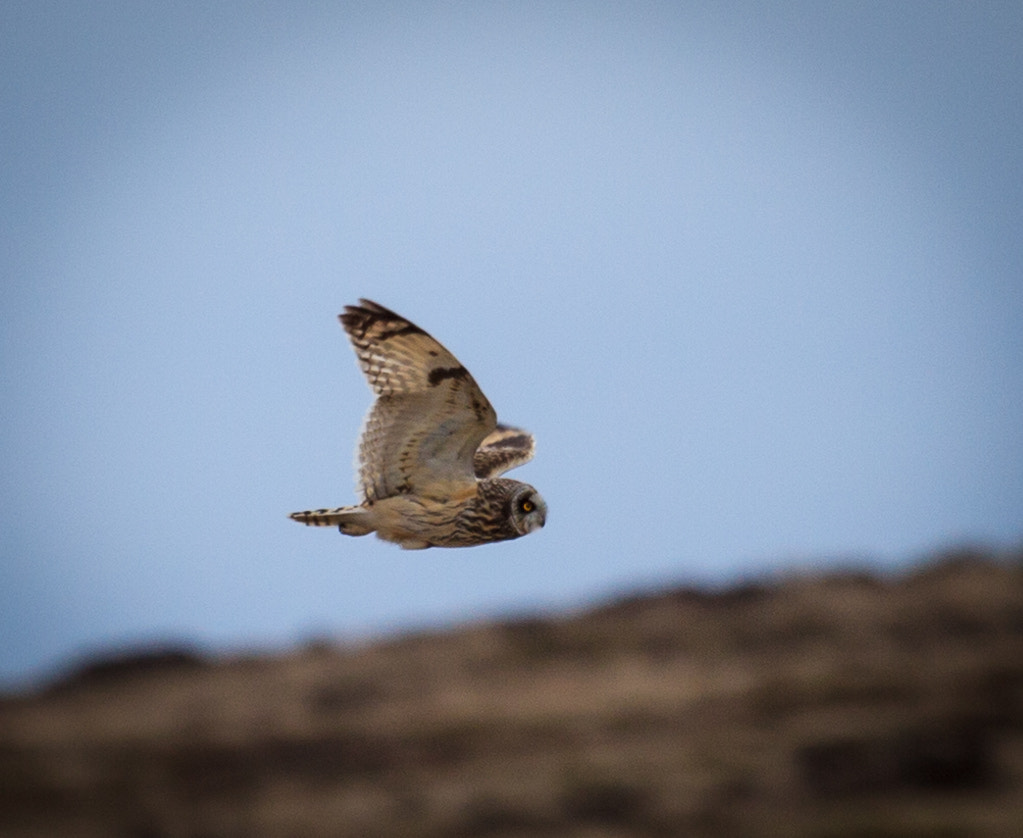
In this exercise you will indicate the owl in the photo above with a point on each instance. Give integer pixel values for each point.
(431, 450)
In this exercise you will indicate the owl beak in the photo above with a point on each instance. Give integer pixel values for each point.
(541, 515)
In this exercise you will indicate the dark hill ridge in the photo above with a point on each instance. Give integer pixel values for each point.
(830, 706)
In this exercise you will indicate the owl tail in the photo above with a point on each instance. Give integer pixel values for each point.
(351, 520)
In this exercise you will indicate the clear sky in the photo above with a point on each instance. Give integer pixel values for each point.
(752, 274)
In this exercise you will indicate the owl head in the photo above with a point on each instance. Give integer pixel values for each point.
(524, 510)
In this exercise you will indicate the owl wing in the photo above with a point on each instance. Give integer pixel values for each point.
(429, 418)
(503, 449)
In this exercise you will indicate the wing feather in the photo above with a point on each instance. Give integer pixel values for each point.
(429, 417)
(503, 449)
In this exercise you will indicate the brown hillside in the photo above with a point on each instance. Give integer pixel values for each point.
(832, 706)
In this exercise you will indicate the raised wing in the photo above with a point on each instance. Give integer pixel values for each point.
(429, 417)
(503, 449)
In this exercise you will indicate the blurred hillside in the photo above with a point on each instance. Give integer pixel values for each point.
(829, 706)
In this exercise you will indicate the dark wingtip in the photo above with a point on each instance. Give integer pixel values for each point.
(366, 308)
(358, 320)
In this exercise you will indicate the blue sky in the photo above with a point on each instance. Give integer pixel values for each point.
(750, 272)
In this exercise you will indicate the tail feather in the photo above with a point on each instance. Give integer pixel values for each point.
(351, 520)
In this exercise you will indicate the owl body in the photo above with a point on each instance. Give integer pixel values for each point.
(431, 449)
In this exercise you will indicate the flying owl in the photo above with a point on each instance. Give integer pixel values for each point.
(431, 450)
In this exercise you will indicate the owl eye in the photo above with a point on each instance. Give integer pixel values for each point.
(527, 506)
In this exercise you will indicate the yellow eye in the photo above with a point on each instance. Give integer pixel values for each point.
(527, 506)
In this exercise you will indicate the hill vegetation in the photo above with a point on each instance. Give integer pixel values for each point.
(829, 706)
